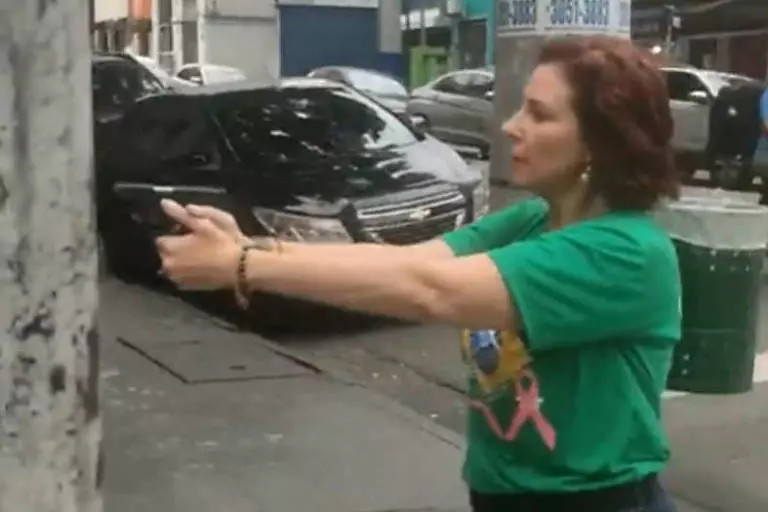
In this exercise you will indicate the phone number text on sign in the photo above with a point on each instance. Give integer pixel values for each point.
(517, 14)
(592, 13)
(518, 17)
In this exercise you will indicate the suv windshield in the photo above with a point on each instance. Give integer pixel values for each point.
(375, 83)
(301, 123)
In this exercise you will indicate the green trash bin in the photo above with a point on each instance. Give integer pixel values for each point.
(721, 245)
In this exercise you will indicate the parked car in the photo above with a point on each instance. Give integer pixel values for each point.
(385, 89)
(207, 74)
(457, 107)
(117, 81)
(691, 94)
(308, 159)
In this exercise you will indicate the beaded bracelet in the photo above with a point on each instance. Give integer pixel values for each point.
(242, 295)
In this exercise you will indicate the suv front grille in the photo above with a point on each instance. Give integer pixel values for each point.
(414, 220)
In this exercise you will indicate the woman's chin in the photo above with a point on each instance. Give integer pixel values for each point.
(520, 179)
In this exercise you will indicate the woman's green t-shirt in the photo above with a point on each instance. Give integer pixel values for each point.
(599, 304)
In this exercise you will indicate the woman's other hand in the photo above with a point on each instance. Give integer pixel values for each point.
(206, 256)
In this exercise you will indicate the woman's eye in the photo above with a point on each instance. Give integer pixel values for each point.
(537, 115)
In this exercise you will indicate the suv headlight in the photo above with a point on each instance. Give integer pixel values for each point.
(300, 228)
(481, 198)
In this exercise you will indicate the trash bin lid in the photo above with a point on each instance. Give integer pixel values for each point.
(716, 224)
(718, 195)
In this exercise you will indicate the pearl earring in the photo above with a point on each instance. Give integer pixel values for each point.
(585, 174)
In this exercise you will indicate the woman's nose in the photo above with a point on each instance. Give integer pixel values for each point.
(512, 126)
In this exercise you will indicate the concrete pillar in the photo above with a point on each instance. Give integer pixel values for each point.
(723, 53)
(154, 45)
(391, 56)
(390, 31)
(490, 37)
(177, 31)
(455, 50)
(201, 12)
(522, 26)
(50, 427)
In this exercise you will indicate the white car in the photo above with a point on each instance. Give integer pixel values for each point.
(691, 92)
(162, 75)
(204, 74)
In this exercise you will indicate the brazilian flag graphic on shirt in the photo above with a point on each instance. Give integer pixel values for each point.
(496, 359)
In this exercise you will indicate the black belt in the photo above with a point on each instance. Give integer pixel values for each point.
(611, 499)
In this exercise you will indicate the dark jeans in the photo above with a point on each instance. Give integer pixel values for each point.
(648, 496)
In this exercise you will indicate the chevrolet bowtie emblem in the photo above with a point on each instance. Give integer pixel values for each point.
(420, 214)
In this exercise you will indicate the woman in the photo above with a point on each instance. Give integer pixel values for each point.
(576, 292)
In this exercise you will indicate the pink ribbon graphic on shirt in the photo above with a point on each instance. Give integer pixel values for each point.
(528, 402)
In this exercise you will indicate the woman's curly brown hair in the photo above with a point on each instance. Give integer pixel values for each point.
(621, 102)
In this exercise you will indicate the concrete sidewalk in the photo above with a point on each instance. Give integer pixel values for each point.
(202, 419)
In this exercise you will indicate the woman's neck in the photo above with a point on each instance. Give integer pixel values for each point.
(573, 205)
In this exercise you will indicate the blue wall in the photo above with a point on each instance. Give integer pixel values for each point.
(315, 36)
(312, 36)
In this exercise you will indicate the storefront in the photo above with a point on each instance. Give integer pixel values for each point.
(727, 36)
(741, 52)
(648, 27)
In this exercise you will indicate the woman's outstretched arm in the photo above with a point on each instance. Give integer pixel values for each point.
(464, 291)
(433, 249)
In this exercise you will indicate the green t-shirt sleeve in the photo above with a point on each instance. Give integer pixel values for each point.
(497, 229)
(592, 283)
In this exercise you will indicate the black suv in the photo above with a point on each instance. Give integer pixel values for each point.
(118, 80)
(309, 160)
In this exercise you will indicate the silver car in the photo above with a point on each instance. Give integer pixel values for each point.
(457, 108)
(691, 93)
(383, 88)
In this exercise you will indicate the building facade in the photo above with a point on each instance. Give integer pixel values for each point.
(447, 34)
(727, 35)
(264, 38)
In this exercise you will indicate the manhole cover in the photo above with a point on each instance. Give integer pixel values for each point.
(217, 360)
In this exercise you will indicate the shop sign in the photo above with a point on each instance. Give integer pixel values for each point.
(564, 17)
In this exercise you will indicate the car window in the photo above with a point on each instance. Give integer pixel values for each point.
(375, 83)
(328, 74)
(681, 84)
(304, 123)
(155, 135)
(154, 68)
(116, 85)
(320, 73)
(191, 73)
(457, 83)
(479, 84)
(336, 75)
